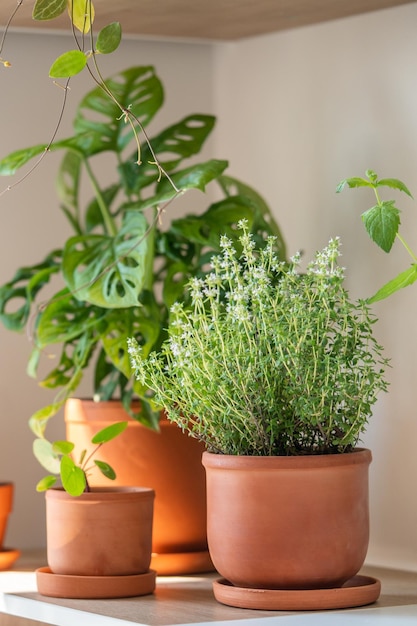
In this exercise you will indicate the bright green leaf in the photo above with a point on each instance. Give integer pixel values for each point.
(382, 222)
(48, 9)
(72, 477)
(68, 64)
(408, 277)
(106, 470)
(62, 447)
(394, 183)
(109, 38)
(46, 483)
(353, 182)
(108, 433)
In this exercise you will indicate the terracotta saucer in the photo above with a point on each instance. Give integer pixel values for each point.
(358, 591)
(7, 557)
(90, 587)
(179, 563)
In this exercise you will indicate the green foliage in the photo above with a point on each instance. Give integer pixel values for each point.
(125, 262)
(382, 223)
(68, 64)
(81, 14)
(267, 360)
(57, 458)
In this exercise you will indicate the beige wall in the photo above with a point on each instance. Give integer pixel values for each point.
(298, 111)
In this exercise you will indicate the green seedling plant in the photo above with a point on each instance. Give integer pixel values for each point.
(382, 222)
(57, 457)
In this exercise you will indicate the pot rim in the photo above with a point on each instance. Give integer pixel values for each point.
(356, 456)
(106, 494)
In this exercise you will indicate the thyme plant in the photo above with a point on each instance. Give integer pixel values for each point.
(268, 360)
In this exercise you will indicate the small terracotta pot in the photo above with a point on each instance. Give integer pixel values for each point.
(6, 505)
(106, 532)
(288, 522)
(168, 461)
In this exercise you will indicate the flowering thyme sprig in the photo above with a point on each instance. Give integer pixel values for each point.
(268, 360)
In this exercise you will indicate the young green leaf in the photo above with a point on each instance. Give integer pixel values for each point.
(109, 38)
(72, 477)
(394, 183)
(62, 447)
(408, 277)
(68, 64)
(46, 455)
(382, 222)
(353, 182)
(106, 470)
(108, 433)
(46, 483)
(48, 9)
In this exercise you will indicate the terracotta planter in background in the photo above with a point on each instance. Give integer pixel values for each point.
(170, 463)
(6, 505)
(288, 522)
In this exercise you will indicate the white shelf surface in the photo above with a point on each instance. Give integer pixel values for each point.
(188, 600)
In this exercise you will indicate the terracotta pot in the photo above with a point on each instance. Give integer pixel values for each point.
(6, 505)
(169, 462)
(288, 522)
(106, 532)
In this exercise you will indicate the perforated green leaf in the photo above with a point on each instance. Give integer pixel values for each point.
(106, 271)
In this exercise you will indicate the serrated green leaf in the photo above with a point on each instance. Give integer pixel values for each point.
(406, 278)
(46, 483)
(72, 477)
(352, 183)
(109, 433)
(106, 470)
(48, 9)
(109, 38)
(68, 64)
(46, 455)
(382, 222)
(394, 183)
(372, 176)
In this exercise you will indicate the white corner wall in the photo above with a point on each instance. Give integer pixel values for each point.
(298, 112)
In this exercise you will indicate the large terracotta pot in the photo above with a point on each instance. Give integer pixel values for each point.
(169, 462)
(105, 532)
(288, 522)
